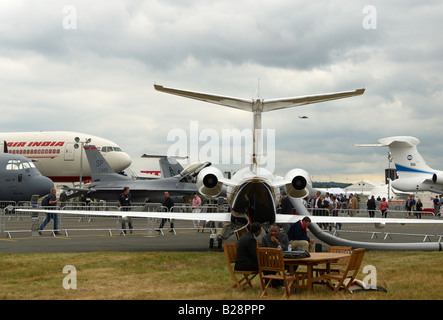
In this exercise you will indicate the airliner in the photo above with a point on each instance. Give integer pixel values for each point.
(57, 153)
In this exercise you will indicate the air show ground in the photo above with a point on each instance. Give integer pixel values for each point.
(180, 266)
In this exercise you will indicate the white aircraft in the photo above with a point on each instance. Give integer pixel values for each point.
(413, 172)
(58, 153)
(252, 192)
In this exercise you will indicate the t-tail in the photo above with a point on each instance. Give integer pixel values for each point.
(403, 150)
(257, 107)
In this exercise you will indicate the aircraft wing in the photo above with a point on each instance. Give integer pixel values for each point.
(237, 103)
(276, 104)
(205, 216)
(288, 218)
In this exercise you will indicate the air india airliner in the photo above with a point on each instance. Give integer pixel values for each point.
(57, 153)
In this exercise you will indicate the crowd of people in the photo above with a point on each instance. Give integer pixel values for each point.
(329, 204)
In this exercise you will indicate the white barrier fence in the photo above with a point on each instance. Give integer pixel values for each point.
(14, 222)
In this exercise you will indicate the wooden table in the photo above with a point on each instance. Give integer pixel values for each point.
(316, 258)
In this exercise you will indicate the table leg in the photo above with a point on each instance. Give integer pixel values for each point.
(309, 277)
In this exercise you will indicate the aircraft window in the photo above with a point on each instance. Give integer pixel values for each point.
(13, 165)
(26, 165)
(31, 164)
(106, 149)
(117, 149)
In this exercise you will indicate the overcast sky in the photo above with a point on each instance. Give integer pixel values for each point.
(90, 66)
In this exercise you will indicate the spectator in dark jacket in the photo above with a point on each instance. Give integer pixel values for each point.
(246, 259)
(298, 236)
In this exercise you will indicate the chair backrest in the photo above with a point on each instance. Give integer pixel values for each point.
(230, 249)
(340, 249)
(355, 260)
(270, 259)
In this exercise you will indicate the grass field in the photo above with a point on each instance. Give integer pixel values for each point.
(199, 275)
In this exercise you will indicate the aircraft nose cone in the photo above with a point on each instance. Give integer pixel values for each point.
(125, 160)
(44, 185)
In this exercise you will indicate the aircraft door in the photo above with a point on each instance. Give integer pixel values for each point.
(69, 151)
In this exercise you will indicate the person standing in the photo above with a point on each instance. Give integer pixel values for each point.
(384, 206)
(50, 202)
(371, 207)
(196, 203)
(286, 204)
(418, 208)
(124, 204)
(168, 203)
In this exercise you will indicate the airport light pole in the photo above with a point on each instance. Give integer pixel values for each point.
(389, 172)
(76, 146)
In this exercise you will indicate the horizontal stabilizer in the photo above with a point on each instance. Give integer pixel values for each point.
(276, 104)
(268, 105)
(237, 103)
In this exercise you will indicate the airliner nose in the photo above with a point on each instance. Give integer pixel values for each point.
(124, 161)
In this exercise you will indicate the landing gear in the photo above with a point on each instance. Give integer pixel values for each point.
(215, 241)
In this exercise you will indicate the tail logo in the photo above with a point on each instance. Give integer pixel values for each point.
(409, 157)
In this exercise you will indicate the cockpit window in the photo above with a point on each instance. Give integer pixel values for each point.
(109, 149)
(15, 164)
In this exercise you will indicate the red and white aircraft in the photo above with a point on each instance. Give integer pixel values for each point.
(58, 153)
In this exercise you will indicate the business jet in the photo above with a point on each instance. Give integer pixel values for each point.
(20, 179)
(413, 172)
(253, 191)
(58, 153)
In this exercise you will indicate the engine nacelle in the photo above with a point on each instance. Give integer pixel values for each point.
(208, 182)
(300, 185)
(437, 177)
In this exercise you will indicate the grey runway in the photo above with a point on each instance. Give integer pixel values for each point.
(137, 242)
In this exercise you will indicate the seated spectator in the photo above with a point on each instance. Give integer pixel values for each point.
(298, 237)
(275, 238)
(246, 259)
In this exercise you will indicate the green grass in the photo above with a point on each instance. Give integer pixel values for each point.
(194, 275)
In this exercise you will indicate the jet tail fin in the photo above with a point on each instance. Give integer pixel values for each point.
(408, 161)
(169, 166)
(100, 168)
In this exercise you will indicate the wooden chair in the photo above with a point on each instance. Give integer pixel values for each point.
(349, 273)
(230, 249)
(271, 260)
(340, 249)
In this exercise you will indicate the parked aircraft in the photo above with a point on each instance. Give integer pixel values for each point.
(20, 179)
(58, 153)
(252, 192)
(108, 185)
(413, 172)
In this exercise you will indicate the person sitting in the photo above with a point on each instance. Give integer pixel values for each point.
(246, 259)
(275, 238)
(298, 237)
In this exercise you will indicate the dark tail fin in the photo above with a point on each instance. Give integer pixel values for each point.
(100, 168)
